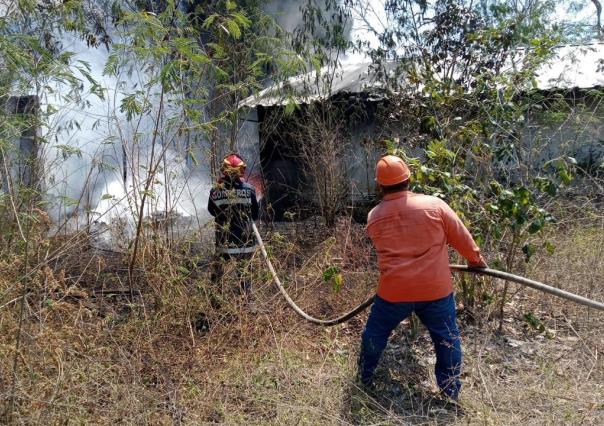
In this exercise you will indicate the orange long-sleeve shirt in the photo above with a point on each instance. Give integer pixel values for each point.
(410, 233)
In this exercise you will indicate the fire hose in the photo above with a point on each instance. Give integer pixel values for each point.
(458, 268)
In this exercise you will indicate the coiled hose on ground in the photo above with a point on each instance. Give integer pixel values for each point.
(459, 268)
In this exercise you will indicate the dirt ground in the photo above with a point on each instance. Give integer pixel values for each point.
(86, 359)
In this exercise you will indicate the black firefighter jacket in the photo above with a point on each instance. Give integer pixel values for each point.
(234, 207)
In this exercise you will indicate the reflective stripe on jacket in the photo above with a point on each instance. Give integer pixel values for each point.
(410, 233)
(236, 250)
(234, 207)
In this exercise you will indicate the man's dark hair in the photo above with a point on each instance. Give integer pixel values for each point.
(403, 186)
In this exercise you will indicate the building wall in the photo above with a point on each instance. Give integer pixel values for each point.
(25, 167)
(283, 169)
(575, 132)
(578, 134)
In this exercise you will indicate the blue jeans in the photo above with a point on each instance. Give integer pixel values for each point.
(438, 316)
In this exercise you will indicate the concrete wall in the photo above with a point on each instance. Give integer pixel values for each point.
(22, 160)
(577, 131)
(578, 134)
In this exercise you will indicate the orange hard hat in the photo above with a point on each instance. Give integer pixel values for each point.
(391, 170)
(233, 164)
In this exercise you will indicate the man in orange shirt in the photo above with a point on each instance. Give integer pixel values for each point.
(411, 233)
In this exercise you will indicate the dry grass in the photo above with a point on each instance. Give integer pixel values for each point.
(83, 362)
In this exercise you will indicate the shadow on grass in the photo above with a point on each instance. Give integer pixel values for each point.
(400, 394)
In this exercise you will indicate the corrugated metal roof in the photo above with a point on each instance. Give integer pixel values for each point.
(350, 78)
(573, 66)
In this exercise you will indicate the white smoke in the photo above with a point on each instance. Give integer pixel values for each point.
(288, 14)
(84, 159)
(86, 133)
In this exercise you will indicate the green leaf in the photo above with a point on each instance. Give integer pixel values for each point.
(241, 19)
(330, 273)
(231, 5)
(536, 226)
(112, 64)
(131, 106)
(149, 193)
(209, 21)
(337, 283)
(68, 150)
(565, 176)
(529, 250)
(523, 195)
(95, 87)
(233, 29)
(290, 107)
(534, 322)
(69, 202)
(549, 247)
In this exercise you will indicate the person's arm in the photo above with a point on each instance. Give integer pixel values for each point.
(212, 207)
(460, 238)
(255, 208)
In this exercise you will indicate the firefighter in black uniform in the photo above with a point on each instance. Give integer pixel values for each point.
(234, 206)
